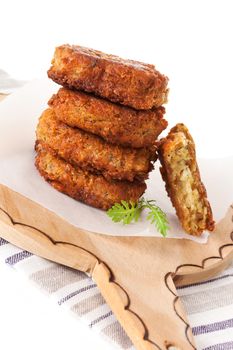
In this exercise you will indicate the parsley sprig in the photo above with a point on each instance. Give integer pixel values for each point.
(128, 212)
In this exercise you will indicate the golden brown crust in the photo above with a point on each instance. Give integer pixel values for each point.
(127, 82)
(86, 187)
(183, 182)
(116, 124)
(92, 153)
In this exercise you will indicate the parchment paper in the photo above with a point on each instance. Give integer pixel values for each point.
(19, 114)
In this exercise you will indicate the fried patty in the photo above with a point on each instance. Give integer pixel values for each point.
(183, 182)
(92, 153)
(127, 82)
(82, 185)
(116, 124)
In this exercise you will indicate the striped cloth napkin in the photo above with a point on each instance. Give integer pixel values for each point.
(209, 305)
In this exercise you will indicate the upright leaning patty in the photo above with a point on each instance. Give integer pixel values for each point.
(183, 182)
(127, 82)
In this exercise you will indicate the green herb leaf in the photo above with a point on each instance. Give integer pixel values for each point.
(128, 212)
(158, 217)
(125, 212)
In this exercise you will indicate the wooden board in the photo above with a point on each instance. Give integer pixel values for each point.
(136, 275)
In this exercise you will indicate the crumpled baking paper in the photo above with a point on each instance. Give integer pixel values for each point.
(19, 114)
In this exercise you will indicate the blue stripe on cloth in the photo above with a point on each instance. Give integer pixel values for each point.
(221, 346)
(14, 259)
(77, 292)
(3, 241)
(101, 318)
(212, 327)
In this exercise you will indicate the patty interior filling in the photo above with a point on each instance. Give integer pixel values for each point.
(183, 176)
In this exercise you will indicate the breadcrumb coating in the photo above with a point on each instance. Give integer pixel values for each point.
(92, 153)
(82, 185)
(127, 82)
(116, 124)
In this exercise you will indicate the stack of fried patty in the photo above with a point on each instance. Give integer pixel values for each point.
(96, 141)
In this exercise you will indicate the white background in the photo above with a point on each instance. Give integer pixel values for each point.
(190, 41)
